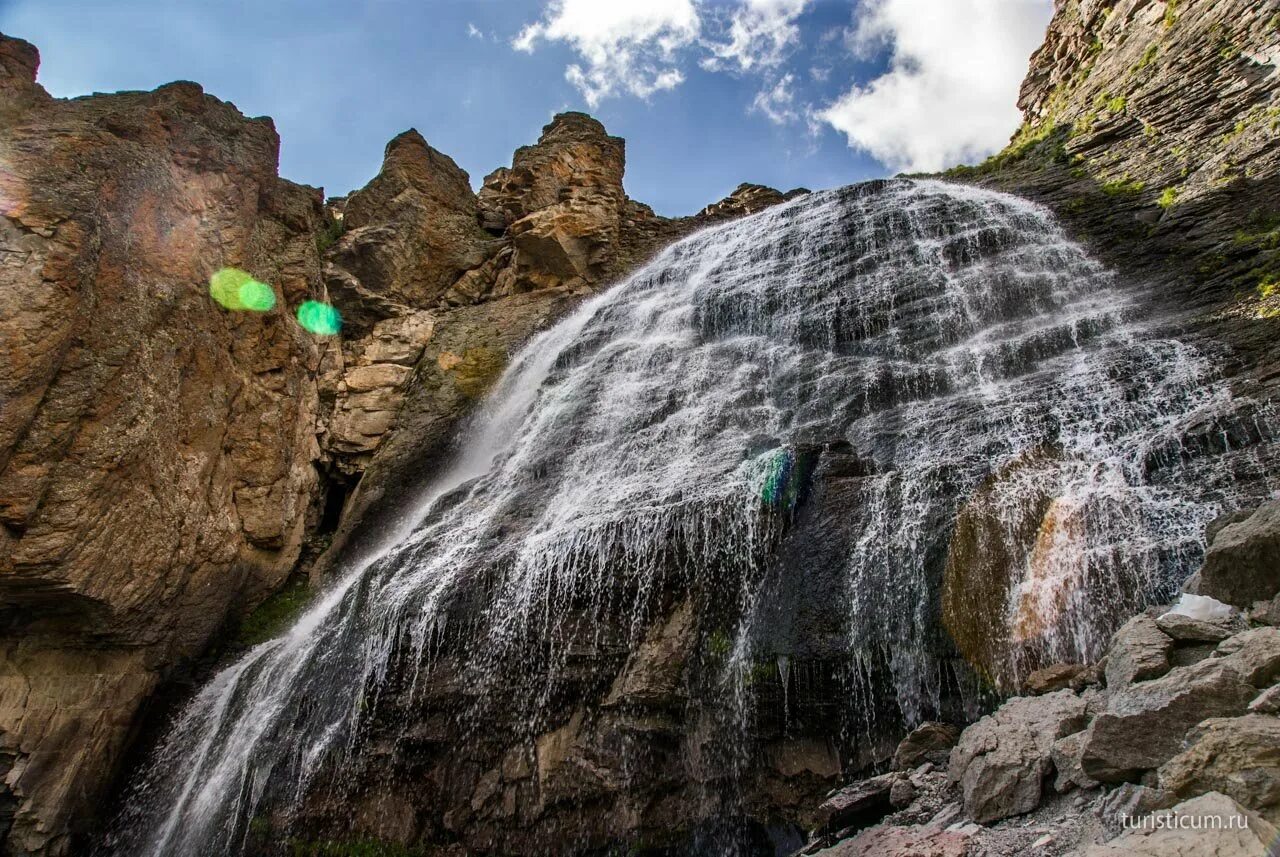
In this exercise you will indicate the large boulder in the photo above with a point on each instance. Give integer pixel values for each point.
(1001, 762)
(1242, 564)
(1144, 724)
(1212, 825)
(1237, 756)
(1139, 651)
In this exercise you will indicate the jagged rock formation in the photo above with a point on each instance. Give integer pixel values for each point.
(156, 453)
(537, 238)
(166, 464)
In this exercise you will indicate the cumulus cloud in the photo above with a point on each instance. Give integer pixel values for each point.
(950, 91)
(759, 35)
(626, 46)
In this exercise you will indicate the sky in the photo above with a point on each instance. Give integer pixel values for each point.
(707, 93)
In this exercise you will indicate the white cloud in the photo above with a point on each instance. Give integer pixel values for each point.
(760, 33)
(474, 32)
(777, 103)
(626, 45)
(951, 89)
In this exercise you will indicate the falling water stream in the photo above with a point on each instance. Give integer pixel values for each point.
(950, 340)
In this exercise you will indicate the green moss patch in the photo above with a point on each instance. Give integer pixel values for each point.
(273, 616)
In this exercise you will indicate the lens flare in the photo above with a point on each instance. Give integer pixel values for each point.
(235, 289)
(319, 318)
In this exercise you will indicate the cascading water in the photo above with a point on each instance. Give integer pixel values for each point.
(980, 376)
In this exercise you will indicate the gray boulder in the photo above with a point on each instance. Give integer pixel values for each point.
(1001, 762)
(1139, 651)
(1242, 564)
(1144, 724)
(1130, 800)
(1186, 629)
(1255, 654)
(1066, 761)
(1267, 702)
(1212, 825)
(1237, 756)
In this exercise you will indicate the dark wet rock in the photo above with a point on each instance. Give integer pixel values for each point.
(859, 805)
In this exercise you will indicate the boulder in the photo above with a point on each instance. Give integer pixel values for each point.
(1129, 800)
(1255, 654)
(1001, 761)
(1267, 702)
(1065, 754)
(1242, 564)
(929, 742)
(1144, 724)
(858, 805)
(1212, 825)
(1139, 651)
(1237, 756)
(1056, 677)
(1183, 628)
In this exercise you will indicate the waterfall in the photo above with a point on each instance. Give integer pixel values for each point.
(986, 375)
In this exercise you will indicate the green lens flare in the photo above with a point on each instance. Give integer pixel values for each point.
(235, 289)
(319, 318)
(257, 296)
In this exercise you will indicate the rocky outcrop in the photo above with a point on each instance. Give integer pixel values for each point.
(1205, 733)
(157, 452)
(1151, 127)
(538, 237)
(407, 236)
(1139, 651)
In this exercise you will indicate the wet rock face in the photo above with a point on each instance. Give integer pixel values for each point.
(1151, 128)
(156, 451)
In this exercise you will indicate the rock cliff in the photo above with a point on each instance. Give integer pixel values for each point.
(166, 464)
(1152, 128)
(156, 453)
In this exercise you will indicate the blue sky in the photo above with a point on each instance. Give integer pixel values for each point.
(707, 93)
